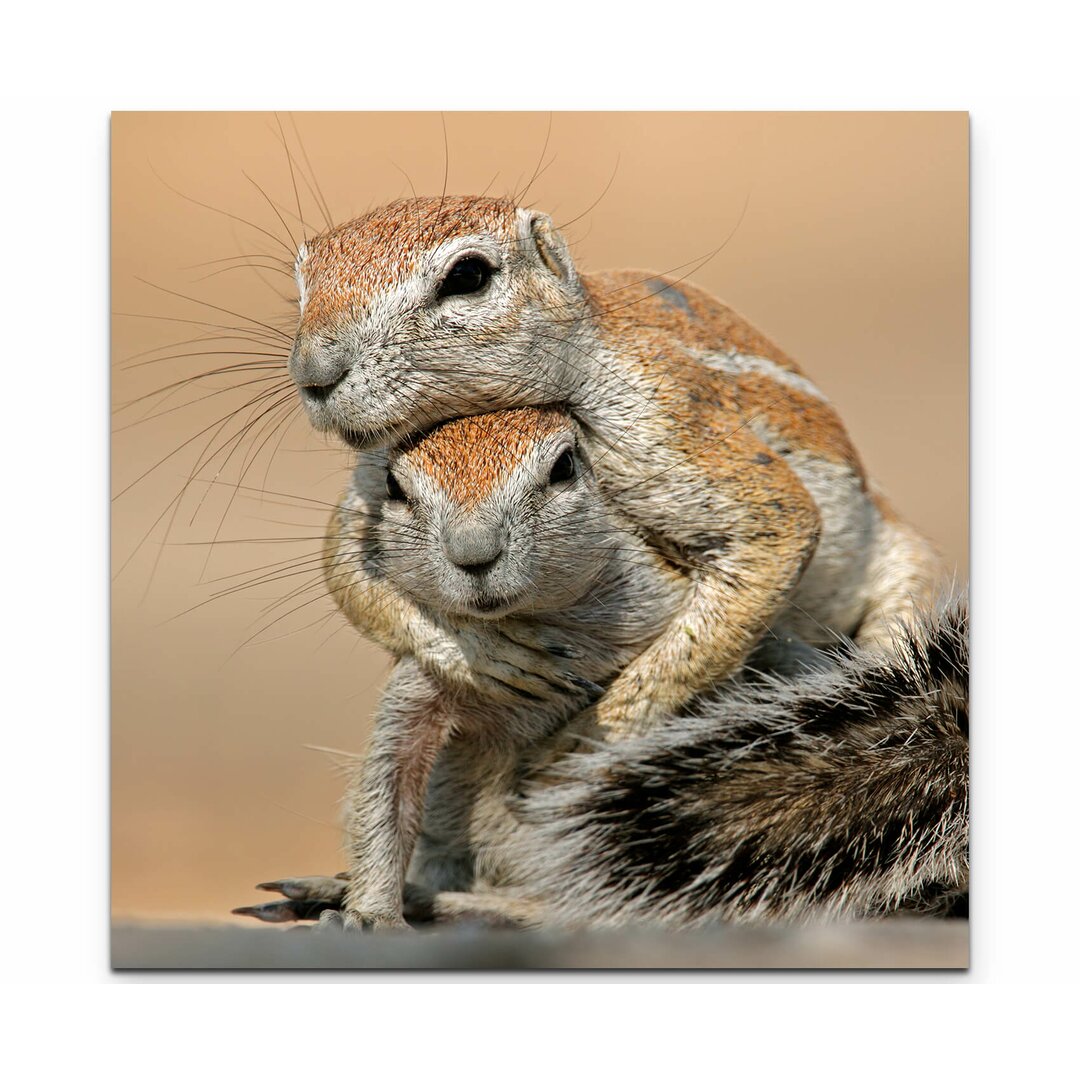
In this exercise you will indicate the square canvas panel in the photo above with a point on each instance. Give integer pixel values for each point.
(240, 693)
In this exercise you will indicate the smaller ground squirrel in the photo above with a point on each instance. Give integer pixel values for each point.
(492, 533)
(539, 593)
(704, 435)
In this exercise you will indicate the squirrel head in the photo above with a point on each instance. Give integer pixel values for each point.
(492, 515)
(431, 308)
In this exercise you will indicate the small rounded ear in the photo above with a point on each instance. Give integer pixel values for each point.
(550, 246)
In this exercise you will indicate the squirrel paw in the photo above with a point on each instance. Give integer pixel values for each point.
(307, 899)
(357, 921)
(500, 667)
(506, 669)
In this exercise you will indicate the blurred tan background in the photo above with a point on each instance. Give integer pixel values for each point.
(226, 657)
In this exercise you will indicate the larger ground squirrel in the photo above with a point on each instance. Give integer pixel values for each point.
(704, 435)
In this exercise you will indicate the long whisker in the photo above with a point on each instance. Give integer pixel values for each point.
(215, 307)
(225, 213)
(317, 194)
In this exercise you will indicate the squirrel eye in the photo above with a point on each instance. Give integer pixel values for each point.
(468, 275)
(563, 469)
(393, 489)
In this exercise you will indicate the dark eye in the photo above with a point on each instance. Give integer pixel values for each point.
(563, 469)
(467, 275)
(393, 489)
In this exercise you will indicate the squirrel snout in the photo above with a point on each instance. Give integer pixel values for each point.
(473, 545)
(316, 367)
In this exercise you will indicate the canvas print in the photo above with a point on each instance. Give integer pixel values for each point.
(539, 540)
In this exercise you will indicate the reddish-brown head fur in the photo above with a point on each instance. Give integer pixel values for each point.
(470, 457)
(343, 268)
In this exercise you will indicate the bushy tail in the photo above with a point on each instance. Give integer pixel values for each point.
(842, 793)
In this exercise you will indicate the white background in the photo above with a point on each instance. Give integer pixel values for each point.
(65, 69)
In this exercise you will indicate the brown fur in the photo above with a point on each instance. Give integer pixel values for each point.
(667, 340)
(635, 302)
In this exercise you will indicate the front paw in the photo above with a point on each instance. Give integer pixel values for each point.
(354, 921)
(501, 668)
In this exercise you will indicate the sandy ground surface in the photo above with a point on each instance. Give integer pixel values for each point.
(896, 943)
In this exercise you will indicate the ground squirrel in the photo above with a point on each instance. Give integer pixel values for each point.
(704, 435)
(495, 529)
(511, 592)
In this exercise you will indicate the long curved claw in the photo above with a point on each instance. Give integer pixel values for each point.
(326, 889)
(306, 899)
(283, 911)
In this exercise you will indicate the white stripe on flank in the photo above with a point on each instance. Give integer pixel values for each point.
(742, 364)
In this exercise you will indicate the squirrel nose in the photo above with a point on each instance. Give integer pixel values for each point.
(316, 367)
(474, 545)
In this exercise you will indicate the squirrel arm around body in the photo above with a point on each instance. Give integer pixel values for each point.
(708, 438)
